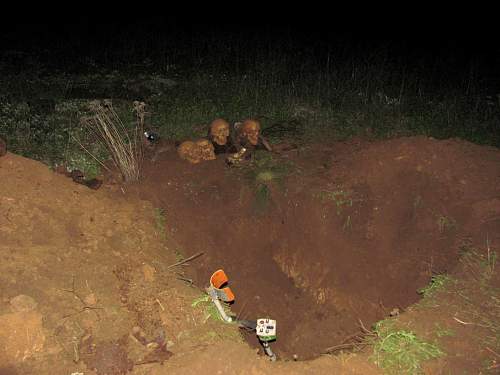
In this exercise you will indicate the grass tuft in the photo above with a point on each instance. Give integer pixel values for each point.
(438, 282)
(401, 351)
(209, 308)
(123, 146)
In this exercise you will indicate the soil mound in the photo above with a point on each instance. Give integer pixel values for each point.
(85, 287)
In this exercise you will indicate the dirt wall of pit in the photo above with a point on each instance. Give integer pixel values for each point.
(351, 234)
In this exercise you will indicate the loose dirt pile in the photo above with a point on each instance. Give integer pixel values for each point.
(85, 287)
(319, 238)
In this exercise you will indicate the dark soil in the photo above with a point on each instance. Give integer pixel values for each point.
(341, 234)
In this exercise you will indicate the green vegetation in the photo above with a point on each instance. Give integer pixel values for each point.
(443, 332)
(206, 303)
(446, 224)
(481, 265)
(438, 283)
(335, 94)
(342, 198)
(400, 351)
(262, 174)
(481, 299)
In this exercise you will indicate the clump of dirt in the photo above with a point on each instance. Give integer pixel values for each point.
(109, 358)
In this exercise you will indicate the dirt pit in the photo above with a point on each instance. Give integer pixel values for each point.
(326, 238)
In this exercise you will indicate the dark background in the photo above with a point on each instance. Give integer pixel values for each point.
(448, 42)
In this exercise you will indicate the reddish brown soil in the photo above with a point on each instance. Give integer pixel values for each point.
(350, 233)
(354, 230)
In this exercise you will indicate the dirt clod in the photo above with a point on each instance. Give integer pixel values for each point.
(109, 358)
(23, 303)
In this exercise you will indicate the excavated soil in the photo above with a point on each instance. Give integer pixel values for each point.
(345, 233)
(321, 238)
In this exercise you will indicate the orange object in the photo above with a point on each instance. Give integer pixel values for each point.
(219, 279)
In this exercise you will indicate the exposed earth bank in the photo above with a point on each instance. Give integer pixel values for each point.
(321, 238)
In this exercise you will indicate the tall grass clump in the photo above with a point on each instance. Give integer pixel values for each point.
(401, 351)
(123, 145)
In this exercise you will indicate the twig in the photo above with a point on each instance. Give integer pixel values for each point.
(335, 348)
(88, 152)
(363, 328)
(186, 260)
(189, 281)
(159, 303)
(76, 351)
(84, 309)
(493, 352)
(358, 338)
(462, 322)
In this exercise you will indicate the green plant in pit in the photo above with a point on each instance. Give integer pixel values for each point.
(209, 308)
(399, 351)
(479, 263)
(340, 197)
(438, 282)
(446, 223)
(443, 332)
(264, 172)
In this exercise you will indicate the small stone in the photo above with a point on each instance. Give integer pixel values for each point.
(149, 273)
(23, 303)
(152, 346)
(90, 299)
(394, 312)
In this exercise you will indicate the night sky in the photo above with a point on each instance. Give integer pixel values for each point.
(410, 32)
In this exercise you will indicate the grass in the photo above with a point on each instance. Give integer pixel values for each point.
(211, 312)
(443, 332)
(262, 174)
(481, 298)
(446, 223)
(342, 198)
(323, 93)
(399, 351)
(480, 264)
(438, 283)
(123, 146)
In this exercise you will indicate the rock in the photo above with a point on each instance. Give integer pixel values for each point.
(149, 273)
(23, 303)
(91, 299)
(153, 346)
